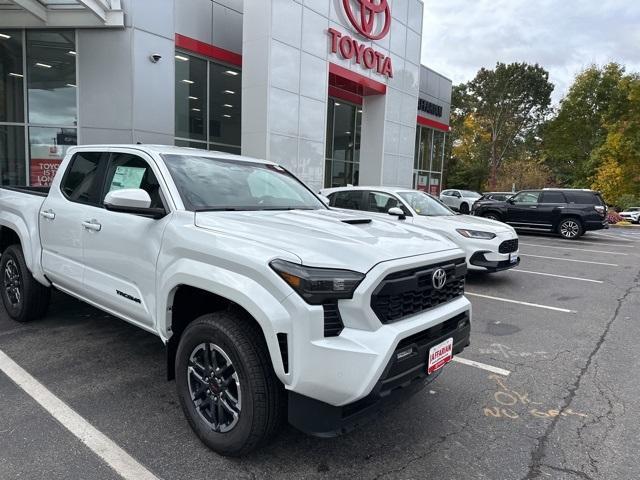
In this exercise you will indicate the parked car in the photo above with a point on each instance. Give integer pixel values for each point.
(258, 290)
(489, 245)
(500, 196)
(569, 212)
(459, 200)
(631, 214)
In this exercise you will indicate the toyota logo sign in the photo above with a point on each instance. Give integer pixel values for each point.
(370, 10)
(439, 278)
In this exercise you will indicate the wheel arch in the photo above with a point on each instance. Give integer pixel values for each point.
(190, 298)
(14, 230)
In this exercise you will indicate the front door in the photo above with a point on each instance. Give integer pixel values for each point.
(522, 208)
(61, 217)
(121, 249)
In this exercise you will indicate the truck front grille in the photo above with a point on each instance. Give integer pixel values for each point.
(508, 246)
(408, 292)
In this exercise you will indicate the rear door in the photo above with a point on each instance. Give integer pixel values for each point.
(121, 249)
(552, 204)
(61, 217)
(522, 209)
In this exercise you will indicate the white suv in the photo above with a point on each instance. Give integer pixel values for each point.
(631, 214)
(460, 200)
(489, 245)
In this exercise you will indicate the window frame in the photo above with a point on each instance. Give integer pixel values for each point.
(105, 181)
(207, 143)
(102, 164)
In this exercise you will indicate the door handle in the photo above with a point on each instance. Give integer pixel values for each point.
(92, 225)
(533, 206)
(49, 214)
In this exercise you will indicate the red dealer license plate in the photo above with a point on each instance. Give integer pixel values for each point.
(440, 355)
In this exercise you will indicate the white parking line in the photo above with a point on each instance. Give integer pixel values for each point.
(483, 366)
(119, 460)
(614, 237)
(570, 260)
(554, 275)
(571, 248)
(571, 242)
(527, 304)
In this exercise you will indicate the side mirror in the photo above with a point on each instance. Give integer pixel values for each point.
(397, 212)
(511, 201)
(132, 200)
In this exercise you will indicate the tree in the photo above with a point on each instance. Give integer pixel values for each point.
(579, 127)
(508, 103)
(618, 173)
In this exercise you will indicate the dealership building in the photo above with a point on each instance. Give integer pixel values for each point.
(331, 89)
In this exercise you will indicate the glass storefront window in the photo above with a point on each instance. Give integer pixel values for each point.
(191, 97)
(344, 126)
(12, 155)
(438, 150)
(208, 104)
(11, 77)
(48, 147)
(51, 77)
(225, 85)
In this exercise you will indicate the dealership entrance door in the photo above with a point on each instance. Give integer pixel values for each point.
(344, 128)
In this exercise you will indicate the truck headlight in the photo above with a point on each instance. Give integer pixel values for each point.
(318, 285)
(476, 234)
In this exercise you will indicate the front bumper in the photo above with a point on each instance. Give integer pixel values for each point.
(340, 370)
(479, 259)
(404, 374)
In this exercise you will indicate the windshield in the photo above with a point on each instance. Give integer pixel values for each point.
(425, 205)
(633, 209)
(207, 183)
(470, 194)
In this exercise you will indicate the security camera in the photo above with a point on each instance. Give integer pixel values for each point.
(155, 58)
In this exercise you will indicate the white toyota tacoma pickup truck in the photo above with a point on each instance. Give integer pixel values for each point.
(269, 303)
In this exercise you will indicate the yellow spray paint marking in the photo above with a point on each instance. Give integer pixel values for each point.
(512, 404)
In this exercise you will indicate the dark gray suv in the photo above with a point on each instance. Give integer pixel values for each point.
(569, 212)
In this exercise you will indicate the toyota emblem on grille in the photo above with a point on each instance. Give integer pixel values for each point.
(439, 278)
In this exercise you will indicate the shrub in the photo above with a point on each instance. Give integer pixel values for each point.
(613, 217)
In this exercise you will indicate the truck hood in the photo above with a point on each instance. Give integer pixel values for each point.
(467, 221)
(324, 238)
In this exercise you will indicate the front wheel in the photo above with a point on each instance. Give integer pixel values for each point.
(24, 298)
(570, 228)
(226, 384)
(464, 209)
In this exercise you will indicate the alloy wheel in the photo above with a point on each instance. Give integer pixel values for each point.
(13, 283)
(214, 387)
(569, 229)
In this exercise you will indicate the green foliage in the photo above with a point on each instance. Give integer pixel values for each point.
(579, 126)
(506, 105)
(627, 200)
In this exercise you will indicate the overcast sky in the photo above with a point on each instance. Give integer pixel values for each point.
(564, 36)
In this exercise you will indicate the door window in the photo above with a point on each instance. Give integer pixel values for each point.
(526, 197)
(349, 199)
(380, 202)
(553, 197)
(130, 171)
(80, 183)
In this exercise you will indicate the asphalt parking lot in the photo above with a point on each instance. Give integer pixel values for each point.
(555, 393)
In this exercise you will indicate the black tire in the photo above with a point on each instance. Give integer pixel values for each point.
(492, 216)
(262, 403)
(570, 228)
(464, 209)
(24, 298)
